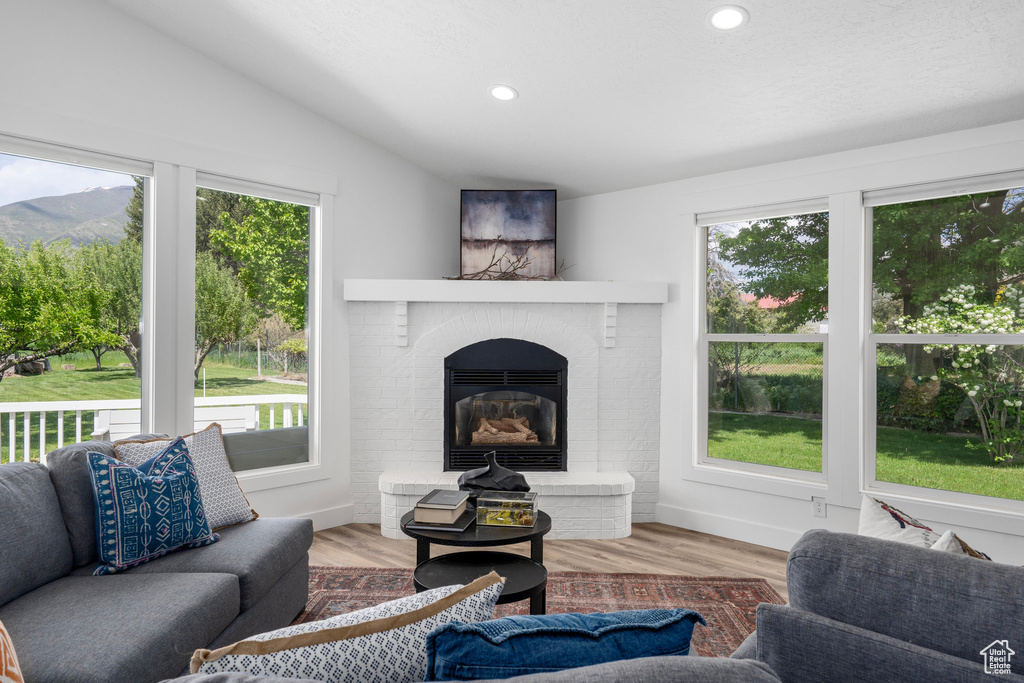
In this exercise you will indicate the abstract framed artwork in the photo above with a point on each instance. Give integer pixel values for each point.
(502, 228)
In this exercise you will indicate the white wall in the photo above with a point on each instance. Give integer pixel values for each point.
(648, 234)
(78, 73)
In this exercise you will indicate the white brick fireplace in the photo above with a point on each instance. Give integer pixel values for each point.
(610, 333)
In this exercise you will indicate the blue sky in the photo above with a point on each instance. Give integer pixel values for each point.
(24, 178)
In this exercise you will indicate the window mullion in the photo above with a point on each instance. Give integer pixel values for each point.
(777, 338)
(983, 339)
(168, 327)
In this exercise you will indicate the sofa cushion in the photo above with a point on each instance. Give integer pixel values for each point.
(225, 503)
(382, 643)
(69, 473)
(34, 546)
(800, 646)
(142, 514)
(908, 593)
(518, 645)
(658, 670)
(119, 627)
(284, 601)
(258, 553)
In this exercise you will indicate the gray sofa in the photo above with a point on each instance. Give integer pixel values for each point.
(860, 609)
(863, 609)
(142, 624)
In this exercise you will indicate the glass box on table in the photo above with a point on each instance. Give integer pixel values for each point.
(506, 508)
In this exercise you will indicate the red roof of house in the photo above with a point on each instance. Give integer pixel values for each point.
(769, 302)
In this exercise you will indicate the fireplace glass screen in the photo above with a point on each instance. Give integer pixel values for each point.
(505, 417)
(507, 396)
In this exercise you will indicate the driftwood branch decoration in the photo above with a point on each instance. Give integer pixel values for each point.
(507, 267)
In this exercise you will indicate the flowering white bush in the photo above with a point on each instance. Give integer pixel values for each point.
(991, 374)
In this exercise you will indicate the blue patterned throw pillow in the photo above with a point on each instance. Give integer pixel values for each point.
(145, 512)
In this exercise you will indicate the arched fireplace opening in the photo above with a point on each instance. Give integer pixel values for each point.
(507, 396)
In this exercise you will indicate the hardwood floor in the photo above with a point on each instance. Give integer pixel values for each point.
(651, 549)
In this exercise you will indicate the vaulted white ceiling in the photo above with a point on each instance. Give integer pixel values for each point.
(617, 93)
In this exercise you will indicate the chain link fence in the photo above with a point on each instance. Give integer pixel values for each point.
(766, 377)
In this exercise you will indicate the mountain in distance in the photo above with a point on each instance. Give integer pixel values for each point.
(82, 217)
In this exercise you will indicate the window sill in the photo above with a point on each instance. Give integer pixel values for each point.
(953, 508)
(280, 477)
(761, 479)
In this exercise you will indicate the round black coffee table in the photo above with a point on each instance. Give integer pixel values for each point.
(525, 577)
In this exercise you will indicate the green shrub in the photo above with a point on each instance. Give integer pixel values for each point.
(754, 394)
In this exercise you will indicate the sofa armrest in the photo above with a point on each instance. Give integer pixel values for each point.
(801, 646)
(747, 649)
(949, 603)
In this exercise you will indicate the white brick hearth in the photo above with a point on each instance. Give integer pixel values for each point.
(397, 350)
(594, 505)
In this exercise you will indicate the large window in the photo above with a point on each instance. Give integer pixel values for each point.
(766, 305)
(70, 304)
(947, 319)
(252, 311)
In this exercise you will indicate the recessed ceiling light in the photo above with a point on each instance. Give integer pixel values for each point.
(727, 17)
(503, 92)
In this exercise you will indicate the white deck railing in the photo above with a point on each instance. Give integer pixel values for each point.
(33, 419)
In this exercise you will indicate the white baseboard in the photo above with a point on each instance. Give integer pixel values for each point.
(739, 529)
(331, 517)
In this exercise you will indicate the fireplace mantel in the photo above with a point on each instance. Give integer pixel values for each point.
(490, 291)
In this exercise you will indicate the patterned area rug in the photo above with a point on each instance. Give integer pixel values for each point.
(728, 605)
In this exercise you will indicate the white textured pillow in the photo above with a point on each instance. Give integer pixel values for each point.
(881, 520)
(386, 643)
(223, 500)
(948, 543)
(951, 543)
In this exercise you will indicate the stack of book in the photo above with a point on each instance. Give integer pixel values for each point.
(442, 510)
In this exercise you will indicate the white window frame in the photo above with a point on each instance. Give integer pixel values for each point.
(319, 205)
(168, 311)
(870, 484)
(777, 480)
(61, 154)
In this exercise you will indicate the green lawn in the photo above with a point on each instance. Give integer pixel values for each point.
(937, 461)
(906, 457)
(113, 382)
(766, 439)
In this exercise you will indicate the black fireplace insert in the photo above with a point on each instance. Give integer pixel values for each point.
(507, 396)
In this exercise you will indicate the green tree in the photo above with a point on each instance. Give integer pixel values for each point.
(292, 351)
(210, 206)
(728, 312)
(117, 269)
(136, 211)
(991, 375)
(271, 247)
(922, 249)
(49, 304)
(786, 259)
(223, 311)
